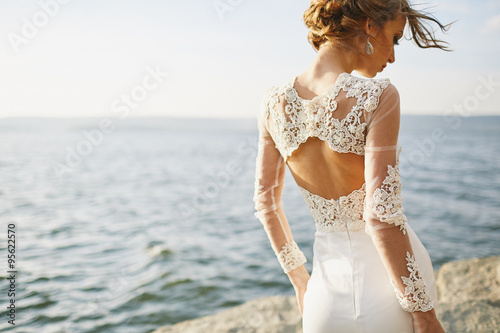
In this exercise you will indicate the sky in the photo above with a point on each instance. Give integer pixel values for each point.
(215, 58)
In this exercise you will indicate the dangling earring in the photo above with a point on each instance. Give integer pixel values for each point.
(369, 46)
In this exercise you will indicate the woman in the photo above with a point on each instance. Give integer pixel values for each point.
(338, 134)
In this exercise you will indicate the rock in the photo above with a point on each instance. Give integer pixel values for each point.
(469, 302)
(469, 295)
(275, 314)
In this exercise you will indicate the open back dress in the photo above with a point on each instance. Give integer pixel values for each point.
(342, 149)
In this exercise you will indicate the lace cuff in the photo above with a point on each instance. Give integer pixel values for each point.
(416, 296)
(291, 257)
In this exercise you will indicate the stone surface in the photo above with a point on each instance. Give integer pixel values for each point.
(275, 314)
(469, 295)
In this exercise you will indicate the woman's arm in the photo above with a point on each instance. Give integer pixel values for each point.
(384, 213)
(269, 181)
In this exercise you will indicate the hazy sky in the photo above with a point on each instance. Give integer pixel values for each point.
(67, 58)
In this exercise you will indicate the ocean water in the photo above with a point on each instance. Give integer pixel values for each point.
(152, 222)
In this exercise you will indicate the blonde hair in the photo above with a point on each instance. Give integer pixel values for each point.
(340, 21)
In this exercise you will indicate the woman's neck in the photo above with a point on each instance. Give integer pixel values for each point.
(329, 62)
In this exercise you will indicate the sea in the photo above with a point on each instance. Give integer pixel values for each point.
(125, 225)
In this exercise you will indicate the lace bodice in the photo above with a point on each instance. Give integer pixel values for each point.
(345, 213)
(305, 118)
(355, 115)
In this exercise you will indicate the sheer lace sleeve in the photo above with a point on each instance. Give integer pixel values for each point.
(269, 181)
(383, 210)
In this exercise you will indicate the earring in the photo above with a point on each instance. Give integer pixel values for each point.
(369, 46)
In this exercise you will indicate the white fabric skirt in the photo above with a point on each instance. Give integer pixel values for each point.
(350, 291)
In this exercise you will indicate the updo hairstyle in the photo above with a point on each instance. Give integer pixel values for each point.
(340, 21)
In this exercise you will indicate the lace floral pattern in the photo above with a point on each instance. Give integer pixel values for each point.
(416, 296)
(306, 118)
(291, 257)
(345, 213)
(387, 202)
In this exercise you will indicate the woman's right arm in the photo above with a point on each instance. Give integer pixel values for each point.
(269, 182)
(384, 213)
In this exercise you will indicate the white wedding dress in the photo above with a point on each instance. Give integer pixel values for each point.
(370, 270)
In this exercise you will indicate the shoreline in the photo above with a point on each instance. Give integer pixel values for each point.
(468, 292)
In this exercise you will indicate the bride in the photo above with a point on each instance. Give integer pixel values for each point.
(338, 135)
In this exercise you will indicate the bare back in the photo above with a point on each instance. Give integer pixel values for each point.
(318, 168)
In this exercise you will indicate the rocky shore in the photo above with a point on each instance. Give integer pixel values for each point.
(469, 302)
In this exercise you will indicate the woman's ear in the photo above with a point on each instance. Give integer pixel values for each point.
(369, 27)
